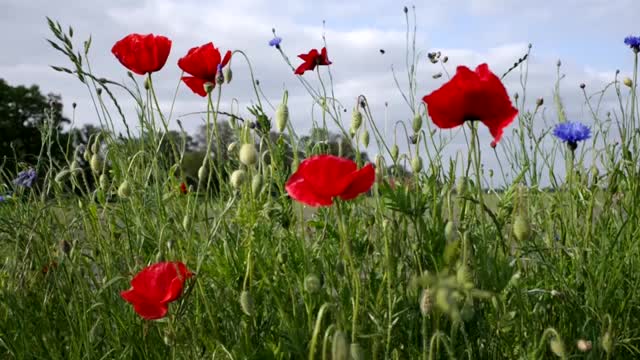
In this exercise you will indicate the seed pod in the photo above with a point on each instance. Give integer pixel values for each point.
(124, 190)
(416, 164)
(256, 184)
(237, 178)
(228, 74)
(395, 152)
(246, 302)
(248, 154)
(312, 283)
(364, 137)
(356, 118)
(417, 123)
(339, 346)
(521, 228)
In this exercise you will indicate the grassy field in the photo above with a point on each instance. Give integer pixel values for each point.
(428, 267)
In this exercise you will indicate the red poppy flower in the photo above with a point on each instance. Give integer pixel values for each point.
(153, 288)
(321, 178)
(142, 54)
(183, 188)
(202, 63)
(312, 59)
(470, 95)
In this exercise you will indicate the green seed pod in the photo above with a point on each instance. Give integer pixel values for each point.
(450, 231)
(96, 163)
(124, 190)
(246, 302)
(203, 172)
(356, 118)
(417, 123)
(364, 137)
(521, 228)
(186, 222)
(557, 347)
(339, 346)
(282, 117)
(426, 302)
(103, 181)
(228, 74)
(395, 152)
(248, 154)
(312, 283)
(232, 147)
(416, 164)
(256, 184)
(238, 178)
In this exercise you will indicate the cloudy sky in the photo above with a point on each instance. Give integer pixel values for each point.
(586, 35)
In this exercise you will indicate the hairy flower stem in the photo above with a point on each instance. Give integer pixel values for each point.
(346, 247)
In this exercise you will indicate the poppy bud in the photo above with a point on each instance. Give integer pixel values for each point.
(95, 147)
(74, 166)
(99, 91)
(356, 351)
(103, 181)
(356, 118)
(582, 86)
(607, 343)
(96, 163)
(539, 102)
(124, 190)
(237, 178)
(282, 117)
(445, 59)
(203, 172)
(352, 132)
(232, 147)
(61, 176)
(521, 228)
(584, 345)
(256, 184)
(557, 347)
(450, 232)
(628, 82)
(416, 164)
(228, 74)
(73, 105)
(248, 154)
(246, 302)
(365, 138)
(186, 222)
(87, 154)
(147, 83)
(395, 152)
(312, 283)
(339, 346)
(426, 302)
(208, 87)
(417, 123)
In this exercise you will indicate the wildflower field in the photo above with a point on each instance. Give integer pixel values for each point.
(364, 248)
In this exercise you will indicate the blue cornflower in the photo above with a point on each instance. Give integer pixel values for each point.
(26, 178)
(572, 132)
(275, 42)
(4, 198)
(633, 42)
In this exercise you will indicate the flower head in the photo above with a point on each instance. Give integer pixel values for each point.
(202, 63)
(572, 132)
(312, 59)
(275, 42)
(153, 288)
(633, 42)
(472, 95)
(142, 54)
(321, 178)
(183, 188)
(26, 178)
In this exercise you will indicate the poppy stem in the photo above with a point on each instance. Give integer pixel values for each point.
(346, 246)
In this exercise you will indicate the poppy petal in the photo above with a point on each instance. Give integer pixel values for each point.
(201, 62)
(196, 85)
(328, 175)
(360, 183)
(301, 191)
(227, 57)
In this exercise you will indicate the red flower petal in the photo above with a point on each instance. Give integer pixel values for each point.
(324, 59)
(225, 60)
(361, 182)
(196, 85)
(201, 62)
(302, 191)
(328, 175)
(142, 54)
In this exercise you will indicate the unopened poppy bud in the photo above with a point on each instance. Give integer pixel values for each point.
(584, 345)
(352, 132)
(237, 178)
(521, 228)
(74, 166)
(87, 154)
(73, 105)
(282, 117)
(103, 181)
(95, 147)
(356, 351)
(312, 283)
(256, 184)
(395, 152)
(356, 118)
(413, 139)
(416, 164)
(232, 147)
(99, 91)
(246, 302)
(607, 343)
(61, 176)
(248, 154)
(124, 190)
(445, 59)
(364, 137)
(426, 302)
(557, 347)
(417, 123)
(203, 172)
(628, 82)
(582, 86)
(228, 74)
(186, 222)
(96, 163)
(539, 102)
(147, 83)
(208, 87)
(339, 346)
(450, 232)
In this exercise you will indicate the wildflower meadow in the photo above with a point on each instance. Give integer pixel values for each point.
(280, 245)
